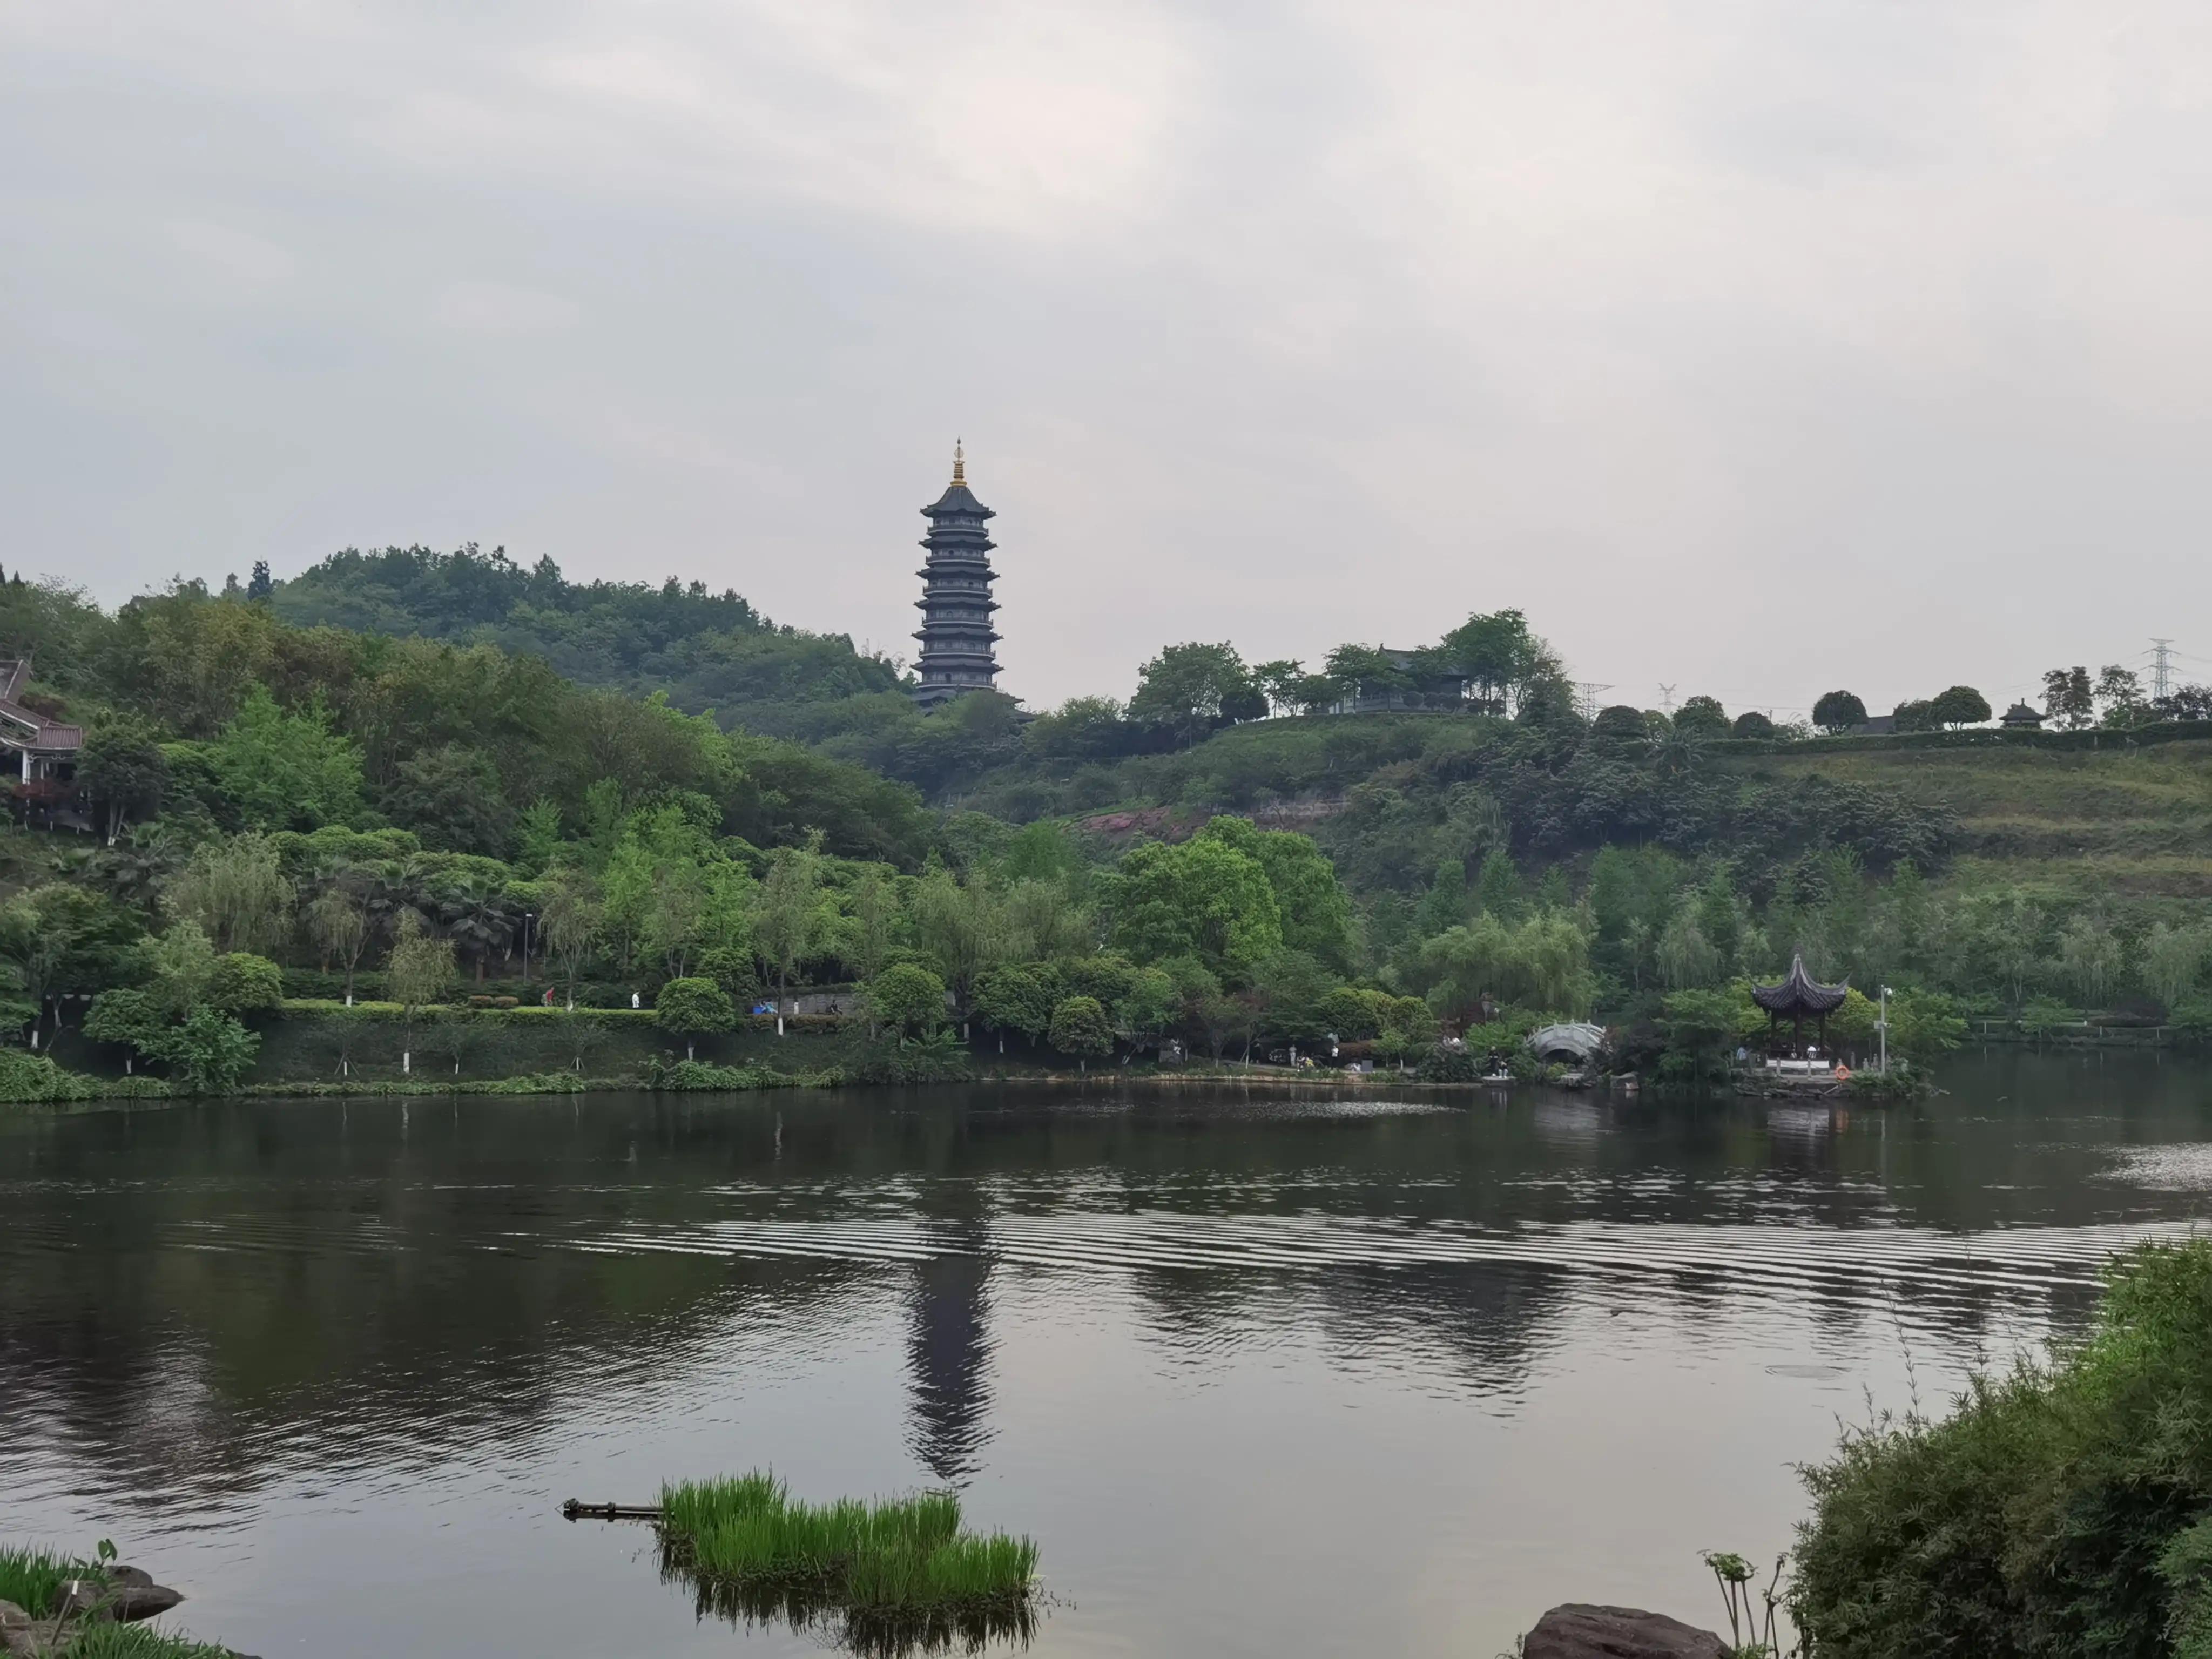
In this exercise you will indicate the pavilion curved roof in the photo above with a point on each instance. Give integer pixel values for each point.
(1799, 993)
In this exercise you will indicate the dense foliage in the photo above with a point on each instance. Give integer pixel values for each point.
(2061, 1511)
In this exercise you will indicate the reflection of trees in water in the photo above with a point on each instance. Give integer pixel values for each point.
(404, 1299)
(1474, 1326)
(189, 1288)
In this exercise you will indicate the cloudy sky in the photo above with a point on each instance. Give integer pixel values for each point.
(1751, 346)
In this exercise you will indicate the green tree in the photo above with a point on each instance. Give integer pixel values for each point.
(237, 892)
(1701, 717)
(1184, 687)
(1080, 1028)
(1924, 1024)
(286, 770)
(1202, 898)
(875, 918)
(907, 1000)
(452, 798)
(241, 982)
(790, 921)
(1959, 706)
(421, 973)
(569, 925)
(1540, 963)
(180, 966)
(124, 770)
(2069, 699)
(337, 921)
(1315, 910)
(129, 1017)
(1501, 658)
(690, 1007)
(1752, 724)
(2089, 951)
(1278, 682)
(1146, 1012)
(960, 927)
(62, 938)
(1497, 888)
(1700, 1027)
(537, 836)
(1837, 711)
(2173, 961)
(1018, 997)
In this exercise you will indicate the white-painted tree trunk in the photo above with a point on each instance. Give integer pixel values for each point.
(406, 1062)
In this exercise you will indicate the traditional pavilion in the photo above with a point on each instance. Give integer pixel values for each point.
(1798, 995)
(955, 602)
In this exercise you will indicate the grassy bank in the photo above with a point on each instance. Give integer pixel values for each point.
(34, 1580)
(889, 1574)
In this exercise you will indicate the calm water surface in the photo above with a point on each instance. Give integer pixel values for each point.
(1263, 1374)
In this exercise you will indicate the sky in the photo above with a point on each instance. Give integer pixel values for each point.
(1752, 348)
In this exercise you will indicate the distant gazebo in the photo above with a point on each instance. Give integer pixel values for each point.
(1798, 995)
(2020, 718)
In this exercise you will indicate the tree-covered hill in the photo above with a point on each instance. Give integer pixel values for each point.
(240, 720)
(705, 650)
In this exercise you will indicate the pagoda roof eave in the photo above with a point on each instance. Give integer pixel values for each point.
(1799, 992)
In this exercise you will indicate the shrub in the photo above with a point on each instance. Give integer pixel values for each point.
(940, 1057)
(907, 1000)
(26, 1078)
(1080, 1029)
(209, 1053)
(688, 1008)
(2060, 1509)
(243, 984)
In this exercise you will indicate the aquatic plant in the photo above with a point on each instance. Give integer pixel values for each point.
(887, 1577)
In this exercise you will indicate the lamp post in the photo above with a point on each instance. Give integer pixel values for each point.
(528, 916)
(1881, 1028)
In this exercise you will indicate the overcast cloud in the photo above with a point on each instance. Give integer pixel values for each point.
(1752, 346)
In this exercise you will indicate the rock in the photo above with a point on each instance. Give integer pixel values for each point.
(126, 1595)
(1580, 1631)
(13, 1617)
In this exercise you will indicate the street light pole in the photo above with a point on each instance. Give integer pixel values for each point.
(1881, 1025)
(528, 916)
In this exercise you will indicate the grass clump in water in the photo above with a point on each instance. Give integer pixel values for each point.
(895, 1575)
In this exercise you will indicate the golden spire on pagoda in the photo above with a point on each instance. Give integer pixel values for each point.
(959, 463)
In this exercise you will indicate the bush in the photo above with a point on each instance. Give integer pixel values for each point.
(26, 1078)
(941, 1058)
(244, 983)
(688, 1007)
(209, 1053)
(1080, 1029)
(2059, 1511)
(908, 1000)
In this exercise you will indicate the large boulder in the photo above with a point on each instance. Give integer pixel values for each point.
(1580, 1631)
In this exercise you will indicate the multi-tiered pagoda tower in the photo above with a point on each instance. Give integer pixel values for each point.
(955, 602)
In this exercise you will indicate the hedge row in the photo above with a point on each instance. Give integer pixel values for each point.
(536, 1014)
(1974, 737)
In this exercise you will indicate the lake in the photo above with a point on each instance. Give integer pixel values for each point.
(1263, 1373)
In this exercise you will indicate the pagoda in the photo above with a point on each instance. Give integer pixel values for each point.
(1798, 995)
(955, 602)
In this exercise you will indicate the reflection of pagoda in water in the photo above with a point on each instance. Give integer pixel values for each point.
(948, 1351)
